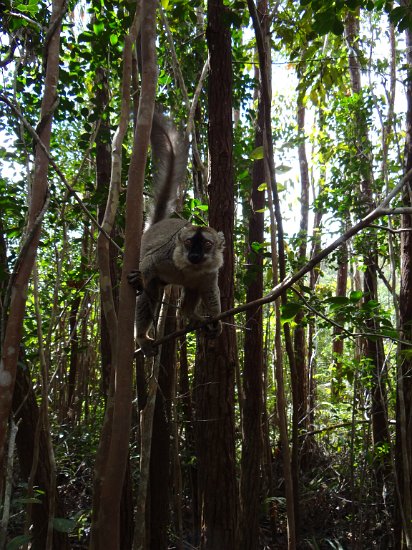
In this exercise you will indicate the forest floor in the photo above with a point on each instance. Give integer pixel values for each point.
(336, 510)
(329, 517)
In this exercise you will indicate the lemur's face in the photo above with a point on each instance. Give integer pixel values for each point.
(200, 246)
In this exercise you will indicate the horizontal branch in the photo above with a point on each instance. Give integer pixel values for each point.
(335, 427)
(288, 282)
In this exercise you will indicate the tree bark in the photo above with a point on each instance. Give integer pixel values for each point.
(109, 173)
(26, 410)
(214, 395)
(160, 457)
(290, 461)
(337, 343)
(188, 419)
(252, 436)
(103, 175)
(403, 449)
(300, 348)
(373, 348)
(38, 199)
(114, 472)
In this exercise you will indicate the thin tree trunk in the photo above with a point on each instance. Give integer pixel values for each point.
(215, 367)
(74, 356)
(160, 457)
(109, 302)
(141, 538)
(279, 272)
(374, 348)
(187, 413)
(337, 343)
(44, 414)
(300, 348)
(26, 411)
(114, 471)
(252, 405)
(38, 201)
(313, 278)
(103, 176)
(403, 450)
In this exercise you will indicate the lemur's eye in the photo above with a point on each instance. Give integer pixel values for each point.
(208, 245)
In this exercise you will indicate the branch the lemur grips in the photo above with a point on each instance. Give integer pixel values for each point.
(174, 251)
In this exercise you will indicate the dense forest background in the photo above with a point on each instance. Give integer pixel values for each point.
(293, 428)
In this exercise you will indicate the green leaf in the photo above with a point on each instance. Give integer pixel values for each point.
(289, 311)
(114, 39)
(355, 295)
(257, 247)
(327, 21)
(32, 7)
(63, 525)
(337, 27)
(338, 300)
(262, 187)
(257, 153)
(98, 28)
(371, 304)
(17, 542)
(389, 332)
(397, 14)
(282, 169)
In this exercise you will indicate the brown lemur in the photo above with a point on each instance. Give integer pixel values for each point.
(173, 251)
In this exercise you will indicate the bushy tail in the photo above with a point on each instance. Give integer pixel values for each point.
(170, 152)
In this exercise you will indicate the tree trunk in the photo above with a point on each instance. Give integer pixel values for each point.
(74, 356)
(38, 201)
(108, 528)
(403, 451)
(300, 348)
(103, 172)
(313, 279)
(291, 469)
(374, 348)
(160, 457)
(187, 413)
(250, 480)
(27, 411)
(337, 343)
(215, 368)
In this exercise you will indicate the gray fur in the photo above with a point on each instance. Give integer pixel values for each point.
(164, 251)
(170, 151)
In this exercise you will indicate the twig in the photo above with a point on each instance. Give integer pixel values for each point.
(191, 108)
(334, 427)
(25, 18)
(390, 229)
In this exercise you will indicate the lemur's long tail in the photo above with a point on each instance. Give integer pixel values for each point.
(170, 151)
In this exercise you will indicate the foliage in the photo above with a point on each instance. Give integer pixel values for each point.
(343, 138)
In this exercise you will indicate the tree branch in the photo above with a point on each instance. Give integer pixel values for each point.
(288, 282)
